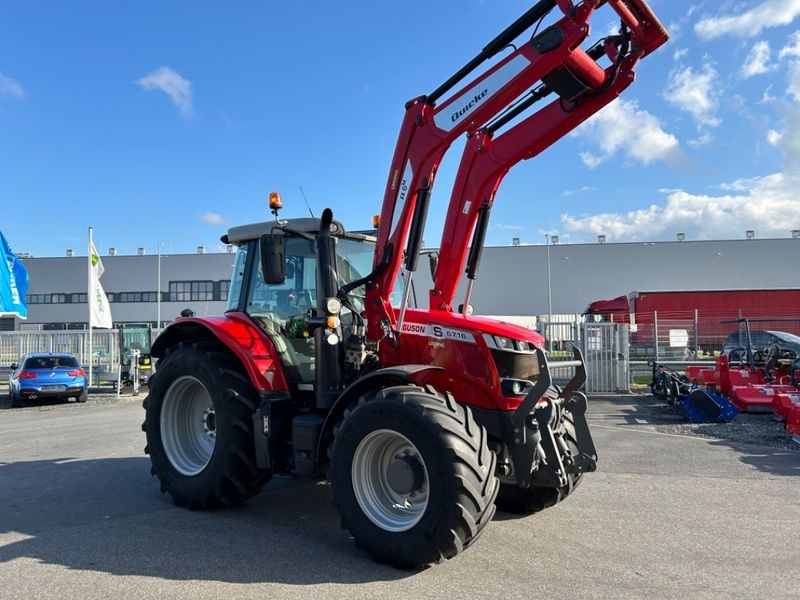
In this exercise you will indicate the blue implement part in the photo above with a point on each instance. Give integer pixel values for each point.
(702, 406)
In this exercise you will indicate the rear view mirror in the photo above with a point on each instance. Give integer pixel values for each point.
(273, 258)
(14, 366)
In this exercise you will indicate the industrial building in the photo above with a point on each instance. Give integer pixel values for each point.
(517, 280)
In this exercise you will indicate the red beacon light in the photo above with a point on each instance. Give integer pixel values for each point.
(275, 203)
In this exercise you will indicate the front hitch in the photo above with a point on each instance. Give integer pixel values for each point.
(534, 429)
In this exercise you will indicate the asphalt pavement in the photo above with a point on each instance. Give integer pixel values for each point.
(665, 516)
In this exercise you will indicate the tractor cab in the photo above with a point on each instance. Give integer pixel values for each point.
(282, 297)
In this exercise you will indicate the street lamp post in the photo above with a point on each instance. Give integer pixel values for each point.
(158, 290)
(549, 291)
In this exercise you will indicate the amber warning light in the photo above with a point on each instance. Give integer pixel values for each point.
(376, 220)
(275, 202)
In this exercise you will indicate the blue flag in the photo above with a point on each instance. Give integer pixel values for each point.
(13, 282)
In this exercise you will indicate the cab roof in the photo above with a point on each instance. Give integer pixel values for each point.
(244, 233)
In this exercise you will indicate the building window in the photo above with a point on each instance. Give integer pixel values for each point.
(132, 297)
(78, 298)
(223, 290)
(183, 291)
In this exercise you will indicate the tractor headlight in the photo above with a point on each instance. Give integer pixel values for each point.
(504, 343)
(333, 306)
(515, 387)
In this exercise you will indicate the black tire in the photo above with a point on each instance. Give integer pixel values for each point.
(83, 397)
(16, 402)
(190, 377)
(454, 468)
(519, 501)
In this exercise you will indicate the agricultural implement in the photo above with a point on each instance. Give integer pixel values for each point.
(693, 397)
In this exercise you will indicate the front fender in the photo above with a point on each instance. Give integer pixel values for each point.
(382, 378)
(236, 332)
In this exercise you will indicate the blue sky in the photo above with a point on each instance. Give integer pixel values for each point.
(167, 122)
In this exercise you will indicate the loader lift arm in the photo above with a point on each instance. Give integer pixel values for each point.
(487, 156)
(428, 130)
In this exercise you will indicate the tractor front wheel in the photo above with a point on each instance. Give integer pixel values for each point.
(412, 475)
(199, 428)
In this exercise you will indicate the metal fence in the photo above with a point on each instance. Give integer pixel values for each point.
(690, 335)
(104, 355)
(610, 349)
(615, 353)
(606, 351)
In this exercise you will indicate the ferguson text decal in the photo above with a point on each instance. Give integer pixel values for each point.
(438, 332)
(455, 111)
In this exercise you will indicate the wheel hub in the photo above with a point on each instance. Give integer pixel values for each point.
(405, 474)
(210, 423)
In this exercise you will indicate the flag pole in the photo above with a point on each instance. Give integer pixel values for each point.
(90, 298)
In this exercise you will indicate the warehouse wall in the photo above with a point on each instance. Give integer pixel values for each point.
(512, 280)
(123, 274)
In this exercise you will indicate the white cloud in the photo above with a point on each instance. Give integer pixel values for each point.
(704, 139)
(10, 88)
(173, 85)
(695, 93)
(702, 216)
(740, 185)
(768, 203)
(680, 54)
(769, 13)
(585, 188)
(212, 218)
(757, 61)
(621, 127)
(792, 49)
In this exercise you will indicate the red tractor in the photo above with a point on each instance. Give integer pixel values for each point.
(424, 419)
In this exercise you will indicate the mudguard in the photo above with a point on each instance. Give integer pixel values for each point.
(381, 378)
(240, 335)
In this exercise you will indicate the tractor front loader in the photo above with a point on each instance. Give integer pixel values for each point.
(424, 419)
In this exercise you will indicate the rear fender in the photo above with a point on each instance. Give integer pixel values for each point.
(382, 378)
(237, 333)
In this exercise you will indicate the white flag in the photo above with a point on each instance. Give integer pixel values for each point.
(100, 314)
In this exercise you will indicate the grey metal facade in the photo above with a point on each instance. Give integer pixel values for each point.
(512, 279)
(125, 274)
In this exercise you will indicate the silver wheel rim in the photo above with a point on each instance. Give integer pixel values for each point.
(188, 425)
(384, 506)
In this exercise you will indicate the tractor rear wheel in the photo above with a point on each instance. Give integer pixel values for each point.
(519, 501)
(199, 428)
(412, 475)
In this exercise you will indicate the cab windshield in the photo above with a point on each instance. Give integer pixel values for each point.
(281, 309)
(298, 292)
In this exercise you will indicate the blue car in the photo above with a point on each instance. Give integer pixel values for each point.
(47, 375)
